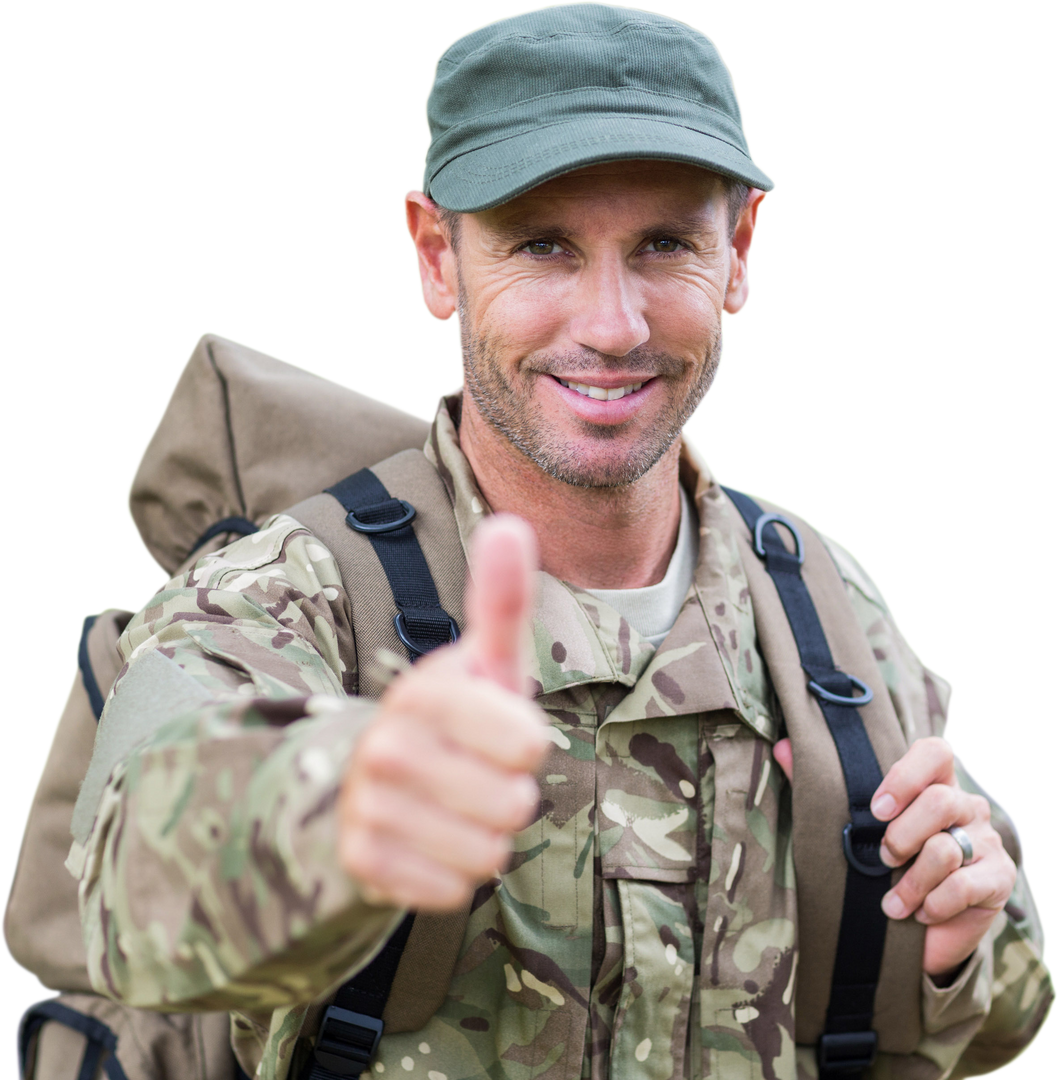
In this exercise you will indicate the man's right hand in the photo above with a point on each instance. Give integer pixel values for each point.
(443, 776)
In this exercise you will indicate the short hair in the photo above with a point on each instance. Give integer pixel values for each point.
(735, 194)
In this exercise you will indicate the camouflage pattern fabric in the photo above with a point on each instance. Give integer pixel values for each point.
(646, 925)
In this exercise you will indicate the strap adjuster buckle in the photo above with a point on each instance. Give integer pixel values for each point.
(347, 1041)
(419, 648)
(847, 1051)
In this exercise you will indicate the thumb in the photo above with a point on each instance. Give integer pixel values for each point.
(499, 599)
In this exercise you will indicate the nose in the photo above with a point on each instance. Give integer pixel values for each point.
(609, 316)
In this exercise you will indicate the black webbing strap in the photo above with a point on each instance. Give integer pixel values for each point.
(88, 676)
(352, 1025)
(422, 624)
(239, 525)
(99, 1039)
(848, 1045)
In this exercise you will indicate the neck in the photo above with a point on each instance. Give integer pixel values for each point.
(595, 538)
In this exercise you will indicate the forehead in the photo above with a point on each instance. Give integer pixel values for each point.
(620, 191)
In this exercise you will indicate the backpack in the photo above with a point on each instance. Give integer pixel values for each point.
(229, 452)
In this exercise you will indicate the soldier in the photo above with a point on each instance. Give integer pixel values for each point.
(606, 796)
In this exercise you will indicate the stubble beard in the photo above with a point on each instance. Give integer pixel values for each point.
(521, 422)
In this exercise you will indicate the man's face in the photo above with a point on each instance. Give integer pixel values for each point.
(590, 310)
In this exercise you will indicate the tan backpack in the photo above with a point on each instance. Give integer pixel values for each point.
(231, 450)
(243, 437)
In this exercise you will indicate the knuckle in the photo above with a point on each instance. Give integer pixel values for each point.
(938, 749)
(949, 799)
(366, 807)
(962, 890)
(900, 850)
(479, 859)
(982, 808)
(943, 852)
(991, 842)
(900, 854)
(396, 751)
(377, 750)
(363, 861)
(941, 801)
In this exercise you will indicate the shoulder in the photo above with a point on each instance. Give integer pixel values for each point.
(283, 550)
(919, 697)
(858, 583)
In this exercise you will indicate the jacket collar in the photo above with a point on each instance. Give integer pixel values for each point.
(709, 660)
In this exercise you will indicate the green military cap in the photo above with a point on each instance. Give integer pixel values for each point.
(529, 98)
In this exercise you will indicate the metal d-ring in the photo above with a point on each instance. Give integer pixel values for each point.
(865, 698)
(778, 519)
(382, 526)
(870, 870)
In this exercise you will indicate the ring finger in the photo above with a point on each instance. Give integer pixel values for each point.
(941, 856)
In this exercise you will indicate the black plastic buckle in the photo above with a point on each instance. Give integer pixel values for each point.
(381, 526)
(847, 1051)
(401, 623)
(347, 1041)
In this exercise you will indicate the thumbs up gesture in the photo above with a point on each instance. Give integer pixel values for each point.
(443, 776)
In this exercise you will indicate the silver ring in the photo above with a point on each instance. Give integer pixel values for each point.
(965, 845)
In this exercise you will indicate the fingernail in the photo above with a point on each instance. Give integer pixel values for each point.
(887, 856)
(883, 807)
(893, 906)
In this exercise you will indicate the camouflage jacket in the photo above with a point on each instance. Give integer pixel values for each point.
(646, 925)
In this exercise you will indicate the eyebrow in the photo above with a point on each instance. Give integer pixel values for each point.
(513, 231)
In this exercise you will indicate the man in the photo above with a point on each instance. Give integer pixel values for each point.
(606, 796)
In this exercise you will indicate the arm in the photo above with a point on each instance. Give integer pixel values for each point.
(208, 878)
(213, 876)
(994, 1005)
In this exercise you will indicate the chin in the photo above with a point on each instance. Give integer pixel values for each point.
(584, 467)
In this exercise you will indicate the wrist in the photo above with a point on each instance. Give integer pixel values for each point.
(944, 979)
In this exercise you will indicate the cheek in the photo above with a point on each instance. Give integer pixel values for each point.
(520, 313)
(684, 315)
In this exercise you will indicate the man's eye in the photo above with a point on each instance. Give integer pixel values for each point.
(541, 247)
(665, 244)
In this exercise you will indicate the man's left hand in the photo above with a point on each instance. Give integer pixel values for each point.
(920, 797)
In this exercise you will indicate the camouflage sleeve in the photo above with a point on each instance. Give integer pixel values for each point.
(208, 874)
(1002, 995)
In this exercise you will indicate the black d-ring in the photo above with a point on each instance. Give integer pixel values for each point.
(382, 526)
(401, 625)
(778, 519)
(878, 869)
(865, 698)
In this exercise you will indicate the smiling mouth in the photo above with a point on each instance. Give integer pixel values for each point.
(601, 393)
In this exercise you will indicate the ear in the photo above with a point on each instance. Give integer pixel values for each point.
(738, 280)
(437, 258)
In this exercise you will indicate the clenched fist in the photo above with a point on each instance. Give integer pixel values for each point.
(444, 774)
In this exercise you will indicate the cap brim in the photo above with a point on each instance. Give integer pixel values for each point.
(496, 173)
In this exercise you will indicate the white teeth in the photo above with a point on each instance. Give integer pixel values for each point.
(599, 393)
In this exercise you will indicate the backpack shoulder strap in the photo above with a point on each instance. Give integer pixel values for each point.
(854, 961)
(423, 551)
(404, 570)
